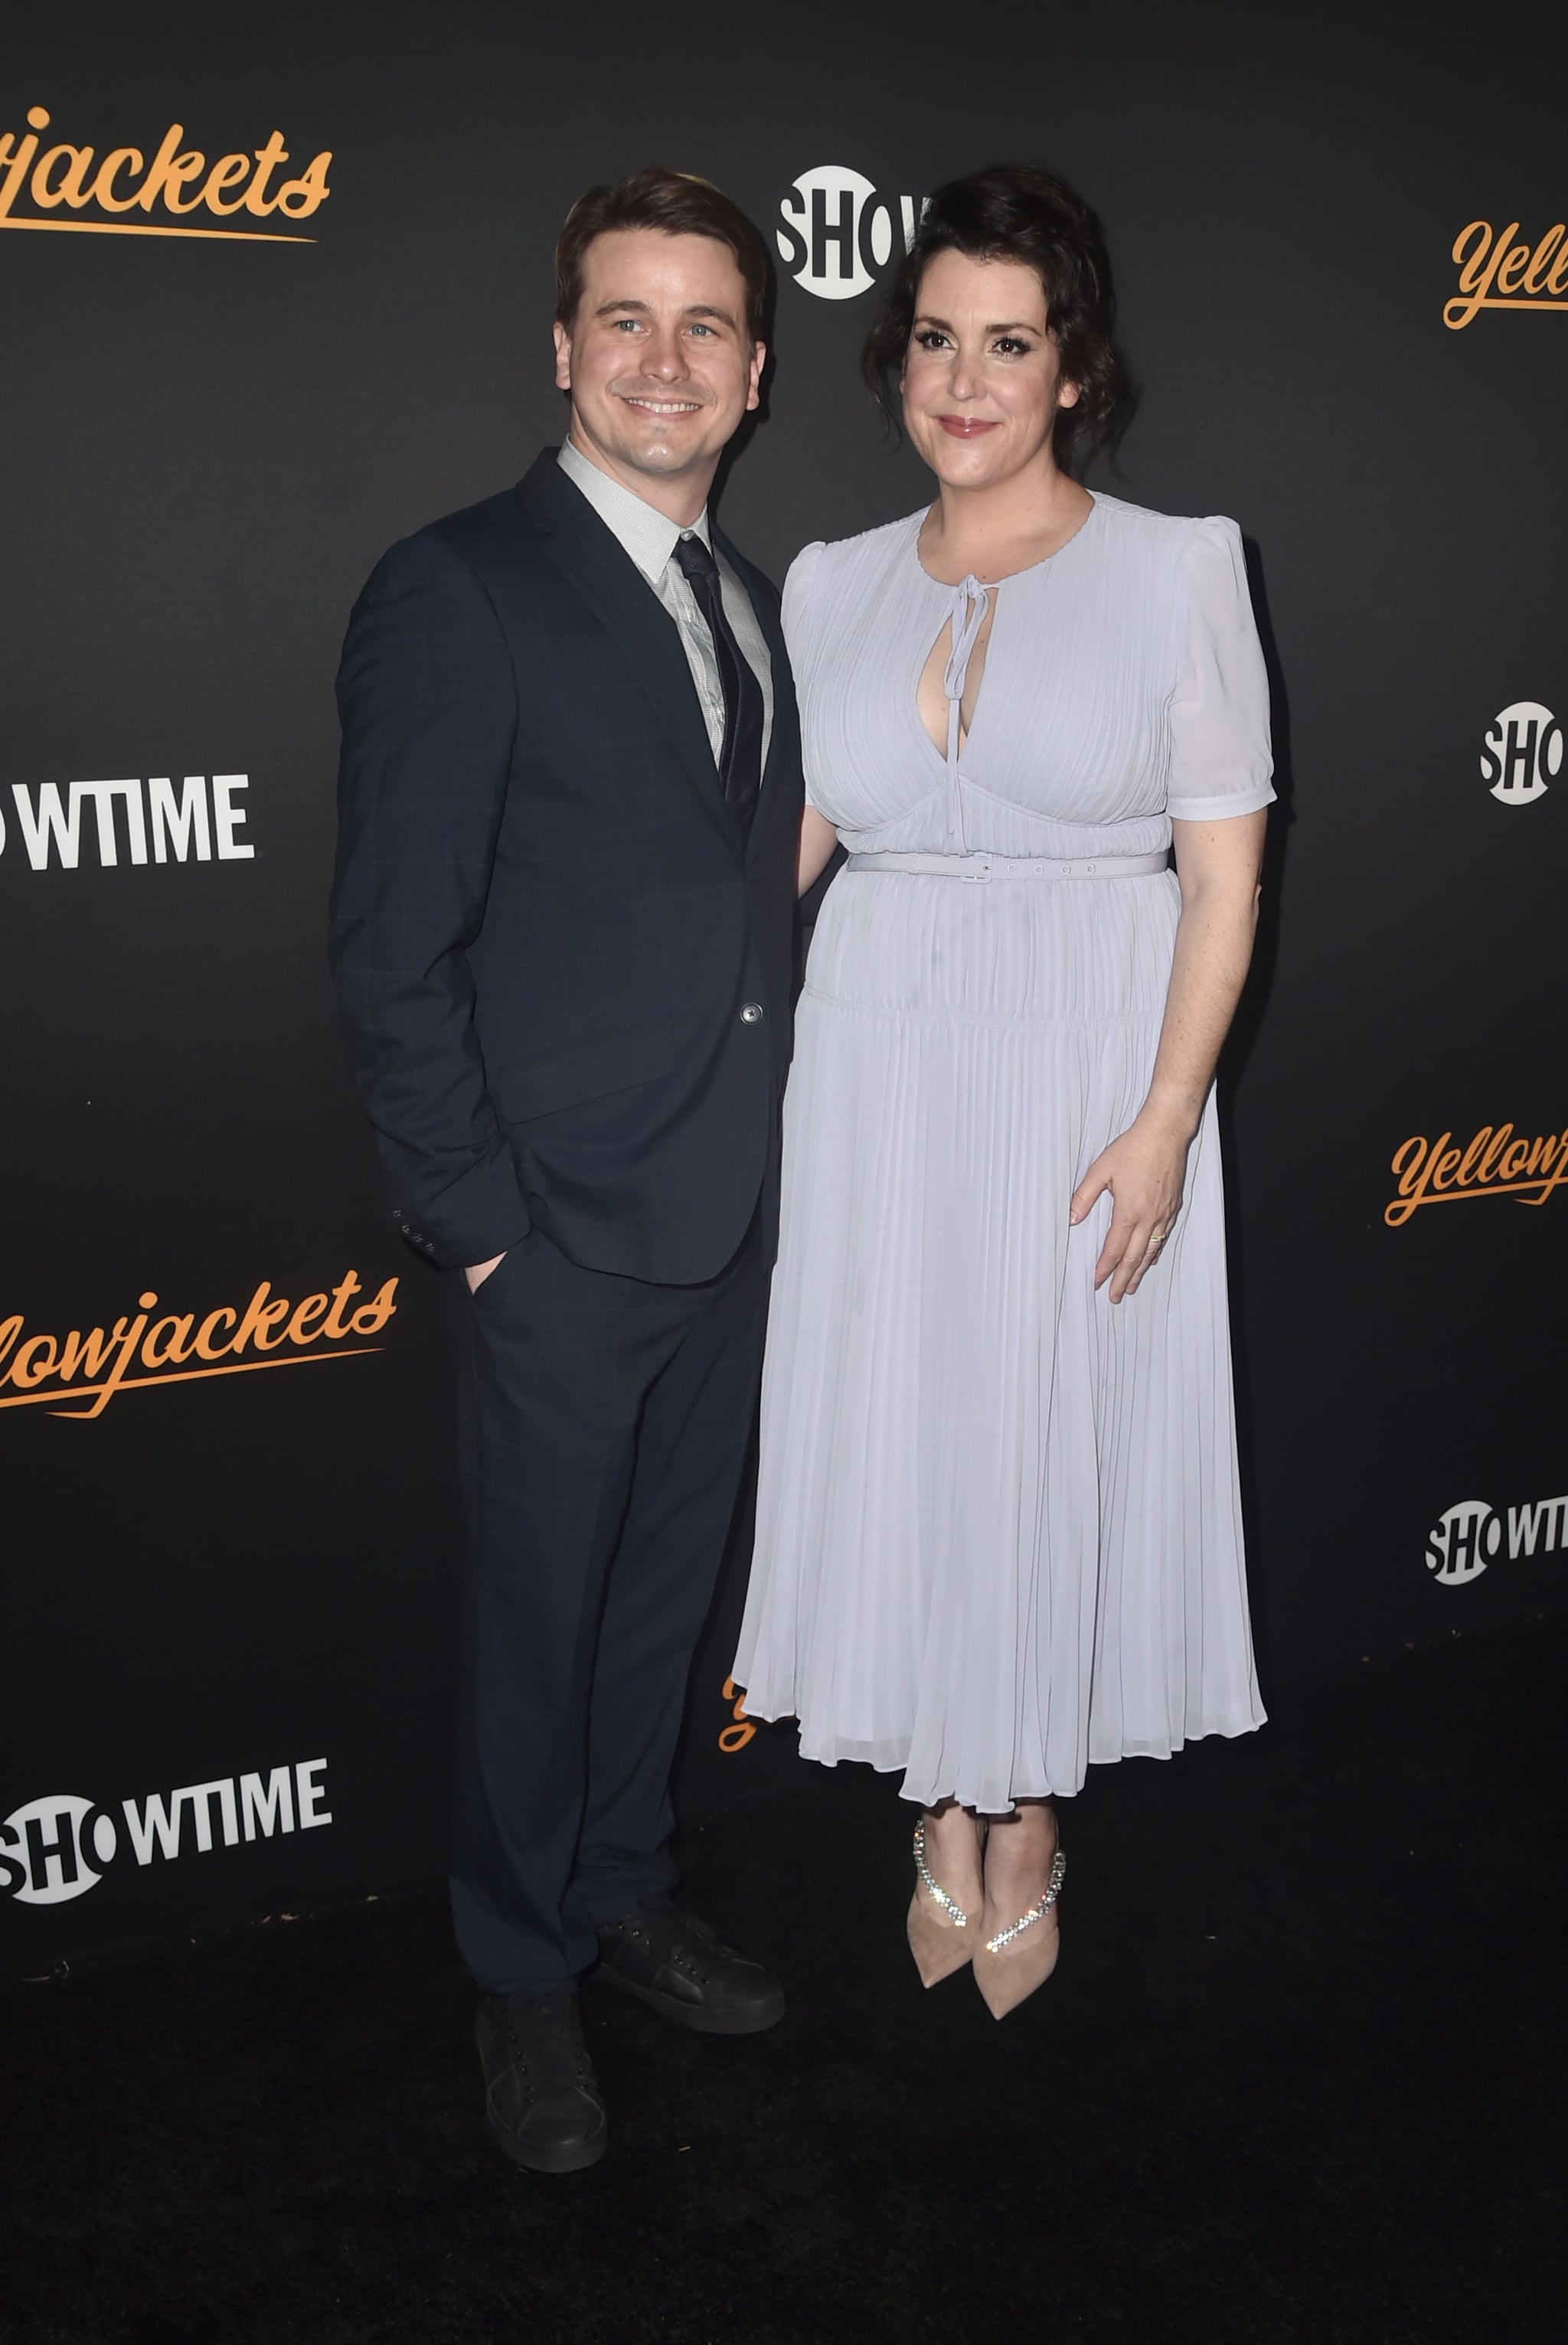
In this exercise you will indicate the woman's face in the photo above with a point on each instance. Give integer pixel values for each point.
(981, 383)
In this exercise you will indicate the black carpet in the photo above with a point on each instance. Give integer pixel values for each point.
(1298, 2080)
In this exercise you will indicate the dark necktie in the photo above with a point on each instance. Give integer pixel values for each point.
(741, 758)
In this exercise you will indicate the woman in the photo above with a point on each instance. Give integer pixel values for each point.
(998, 1529)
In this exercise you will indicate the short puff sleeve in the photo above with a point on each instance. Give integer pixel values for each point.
(1221, 756)
(797, 586)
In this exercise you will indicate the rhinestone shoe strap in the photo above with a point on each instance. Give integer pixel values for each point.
(1036, 1912)
(933, 1887)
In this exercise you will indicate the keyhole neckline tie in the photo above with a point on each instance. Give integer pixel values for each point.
(968, 603)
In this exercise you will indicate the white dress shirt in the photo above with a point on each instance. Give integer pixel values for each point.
(650, 539)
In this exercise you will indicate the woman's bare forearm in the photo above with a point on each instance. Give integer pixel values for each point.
(1218, 865)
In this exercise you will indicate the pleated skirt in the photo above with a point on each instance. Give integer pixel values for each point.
(998, 1527)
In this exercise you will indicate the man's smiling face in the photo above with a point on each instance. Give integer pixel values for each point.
(659, 360)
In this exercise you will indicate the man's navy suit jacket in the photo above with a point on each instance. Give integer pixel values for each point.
(564, 973)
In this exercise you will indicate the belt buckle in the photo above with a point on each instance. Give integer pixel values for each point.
(981, 875)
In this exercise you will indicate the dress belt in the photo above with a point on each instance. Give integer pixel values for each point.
(1015, 867)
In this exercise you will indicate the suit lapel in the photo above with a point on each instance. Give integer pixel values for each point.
(590, 554)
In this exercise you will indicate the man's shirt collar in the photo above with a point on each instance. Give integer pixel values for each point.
(648, 536)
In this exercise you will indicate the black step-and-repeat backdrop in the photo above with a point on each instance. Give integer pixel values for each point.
(276, 290)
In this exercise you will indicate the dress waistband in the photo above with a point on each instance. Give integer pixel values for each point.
(1015, 867)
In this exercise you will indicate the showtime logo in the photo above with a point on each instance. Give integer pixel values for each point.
(1467, 1538)
(1522, 750)
(836, 233)
(59, 1846)
(198, 822)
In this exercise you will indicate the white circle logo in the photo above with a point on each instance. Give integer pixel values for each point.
(835, 231)
(45, 1843)
(1522, 748)
(1462, 1542)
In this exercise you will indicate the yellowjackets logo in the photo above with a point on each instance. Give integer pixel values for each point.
(1498, 1163)
(118, 192)
(78, 1374)
(1497, 273)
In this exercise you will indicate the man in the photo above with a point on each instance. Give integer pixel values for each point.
(562, 933)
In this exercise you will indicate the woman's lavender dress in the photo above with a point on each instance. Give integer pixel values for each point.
(998, 1533)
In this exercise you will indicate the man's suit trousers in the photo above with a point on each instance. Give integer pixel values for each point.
(605, 1428)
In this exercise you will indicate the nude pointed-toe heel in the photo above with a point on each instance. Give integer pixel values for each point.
(1009, 1966)
(940, 1934)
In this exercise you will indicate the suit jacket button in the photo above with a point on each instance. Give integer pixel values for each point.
(751, 1015)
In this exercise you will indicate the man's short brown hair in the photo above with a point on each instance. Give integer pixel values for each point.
(679, 204)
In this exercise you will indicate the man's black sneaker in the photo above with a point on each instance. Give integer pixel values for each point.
(674, 1962)
(542, 2096)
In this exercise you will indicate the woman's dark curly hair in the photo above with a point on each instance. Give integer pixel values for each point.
(1014, 212)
